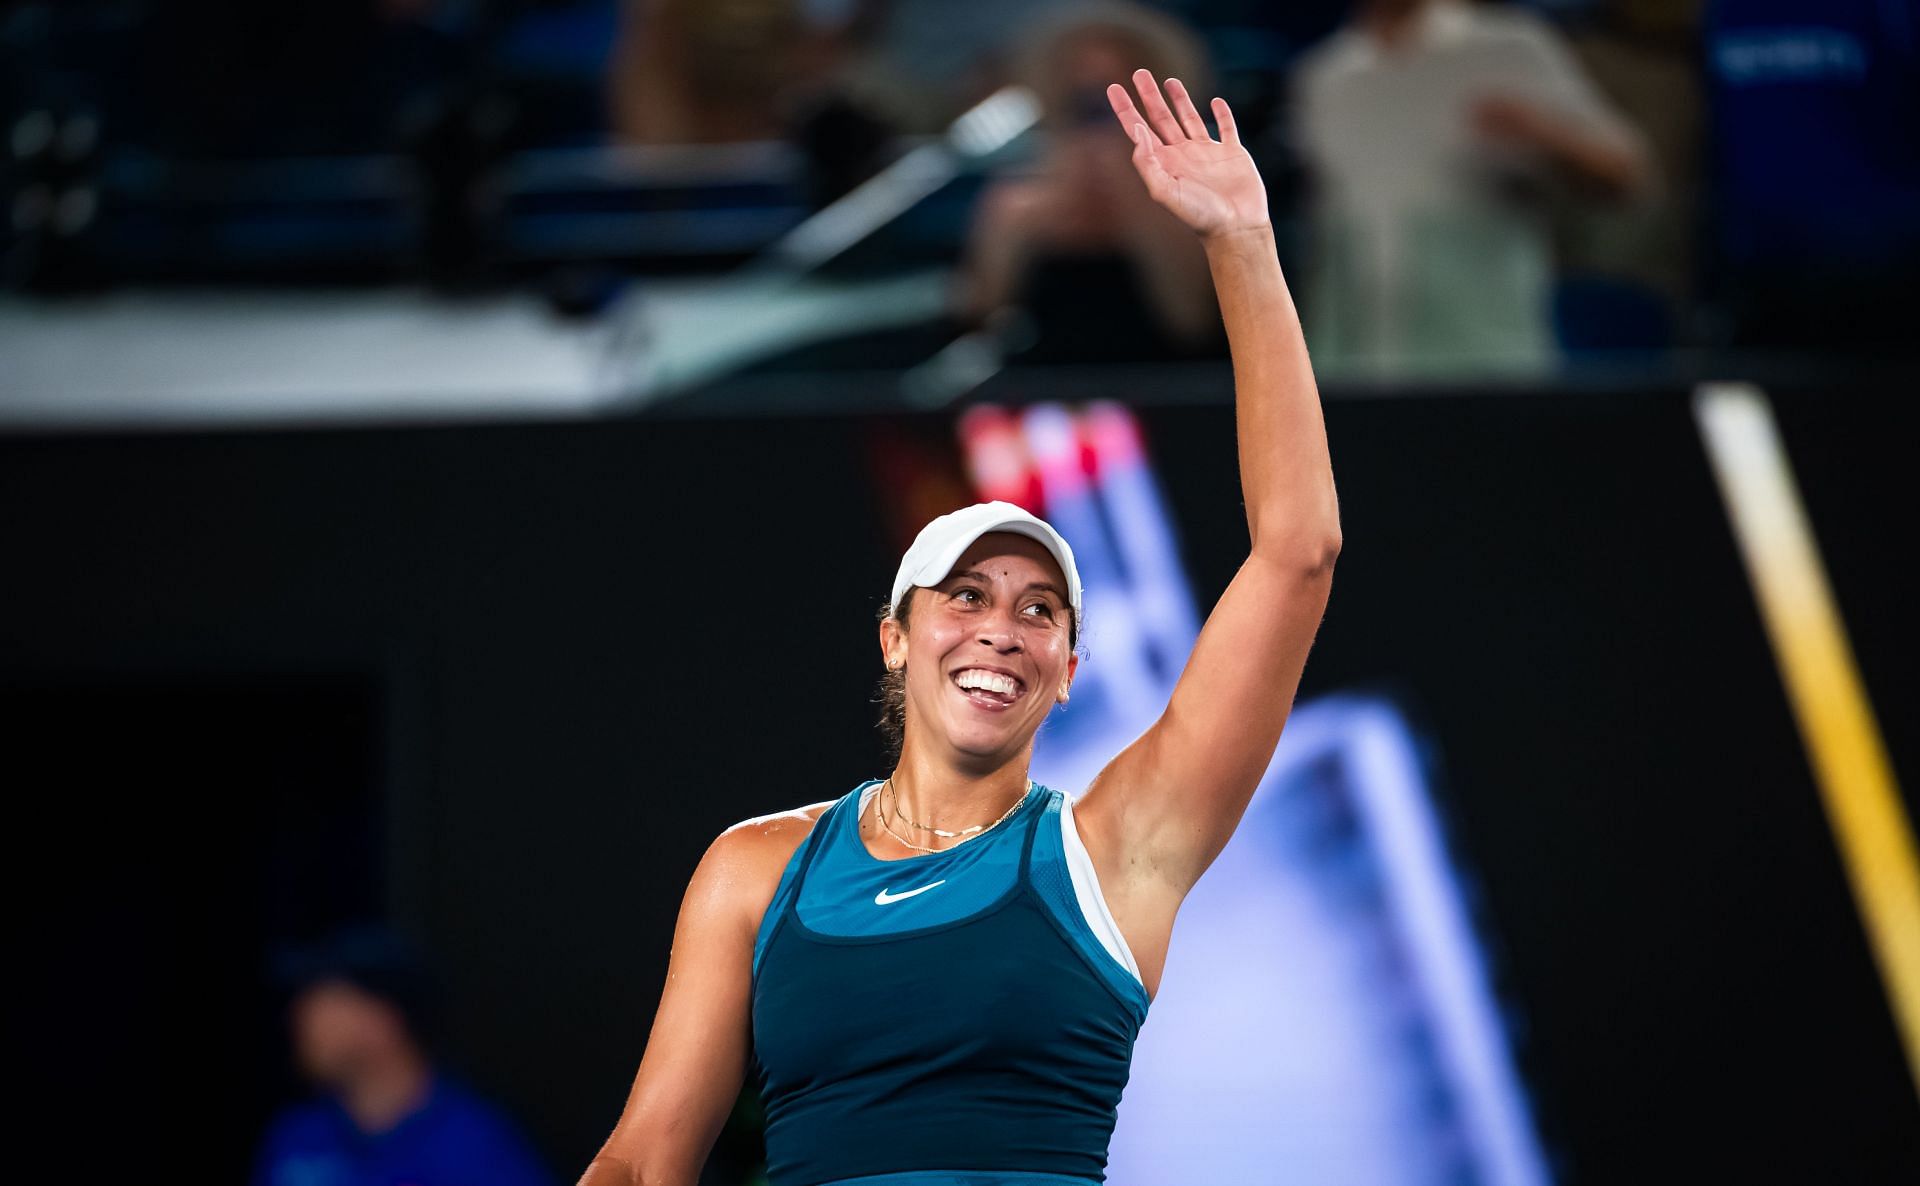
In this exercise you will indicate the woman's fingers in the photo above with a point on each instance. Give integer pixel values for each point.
(1122, 104)
(1183, 107)
(1156, 108)
(1147, 162)
(1223, 115)
(1143, 141)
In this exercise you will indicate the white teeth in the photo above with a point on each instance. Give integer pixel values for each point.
(988, 681)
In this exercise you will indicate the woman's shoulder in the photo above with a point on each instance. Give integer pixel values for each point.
(749, 857)
(740, 872)
(772, 838)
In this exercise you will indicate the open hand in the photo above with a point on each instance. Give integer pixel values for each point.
(1211, 185)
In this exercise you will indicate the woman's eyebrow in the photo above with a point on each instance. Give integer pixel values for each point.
(983, 578)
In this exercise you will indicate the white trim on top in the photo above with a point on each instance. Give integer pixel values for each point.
(1086, 888)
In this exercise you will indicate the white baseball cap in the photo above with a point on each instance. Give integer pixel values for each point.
(938, 546)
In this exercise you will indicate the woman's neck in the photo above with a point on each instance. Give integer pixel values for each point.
(942, 795)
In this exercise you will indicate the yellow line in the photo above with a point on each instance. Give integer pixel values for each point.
(1816, 663)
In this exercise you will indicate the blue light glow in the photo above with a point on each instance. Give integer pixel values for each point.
(1326, 1014)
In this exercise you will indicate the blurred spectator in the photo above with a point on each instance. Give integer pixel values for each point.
(360, 1011)
(1100, 269)
(1434, 131)
(716, 71)
(712, 71)
(733, 71)
(1817, 160)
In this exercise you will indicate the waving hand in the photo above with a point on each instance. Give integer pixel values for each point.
(1211, 185)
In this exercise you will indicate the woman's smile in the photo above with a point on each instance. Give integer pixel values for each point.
(989, 688)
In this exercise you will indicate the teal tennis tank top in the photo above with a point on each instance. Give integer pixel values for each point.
(945, 1020)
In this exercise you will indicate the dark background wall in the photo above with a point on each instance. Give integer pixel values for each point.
(502, 684)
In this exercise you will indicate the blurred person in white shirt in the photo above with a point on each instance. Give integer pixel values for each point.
(1431, 130)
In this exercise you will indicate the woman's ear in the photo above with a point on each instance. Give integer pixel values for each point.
(893, 644)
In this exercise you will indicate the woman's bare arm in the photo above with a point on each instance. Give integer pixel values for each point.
(697, 1053)
(1165, 807)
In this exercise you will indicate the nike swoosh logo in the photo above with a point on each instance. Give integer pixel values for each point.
(883, 897)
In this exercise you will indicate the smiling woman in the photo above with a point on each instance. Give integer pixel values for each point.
(998, 575)
(1048, 596)
(937, 978)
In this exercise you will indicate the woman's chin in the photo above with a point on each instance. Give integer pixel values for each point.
(981, 735)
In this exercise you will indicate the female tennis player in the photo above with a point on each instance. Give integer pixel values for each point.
(937, 978)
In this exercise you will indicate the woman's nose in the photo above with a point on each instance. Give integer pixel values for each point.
(1000, 631)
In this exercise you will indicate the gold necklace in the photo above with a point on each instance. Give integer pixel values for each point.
(880, 814)
(942, 832)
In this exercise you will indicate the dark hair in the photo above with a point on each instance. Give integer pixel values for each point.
(892, 695)
(374, 959)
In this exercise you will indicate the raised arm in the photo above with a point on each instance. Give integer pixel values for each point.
(696, 1056)
(1165, 807)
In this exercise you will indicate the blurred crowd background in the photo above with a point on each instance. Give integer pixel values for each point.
(390, 390)
(1462, 188)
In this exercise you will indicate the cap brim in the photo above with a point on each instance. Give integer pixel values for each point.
(940, 565)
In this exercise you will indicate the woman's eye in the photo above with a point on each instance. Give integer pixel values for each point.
(971, 596)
